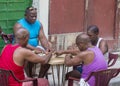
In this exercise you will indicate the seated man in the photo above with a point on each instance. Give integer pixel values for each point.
(90, 55)
(93, 32)
(13, 57)
(36, 35)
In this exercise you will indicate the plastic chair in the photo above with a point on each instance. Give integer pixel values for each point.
(8, 38)
(102, 77)
(112, 58)
(4, 77)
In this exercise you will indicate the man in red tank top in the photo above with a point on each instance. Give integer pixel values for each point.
(13, 58)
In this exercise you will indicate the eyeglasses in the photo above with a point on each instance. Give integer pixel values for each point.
(31, 8)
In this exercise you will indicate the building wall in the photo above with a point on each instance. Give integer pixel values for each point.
(118, 23)
(43, 11)
(61, 41)
(10, 12)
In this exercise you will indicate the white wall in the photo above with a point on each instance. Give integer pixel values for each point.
(43, 11)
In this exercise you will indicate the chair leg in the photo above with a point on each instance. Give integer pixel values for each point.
(70, 82)
(43, 70)
(46, 76)
(28, 69)
(35, 83)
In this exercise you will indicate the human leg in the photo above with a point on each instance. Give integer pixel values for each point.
(30, 69)
(30, 66)
(43, 70)
(73, 73)
(78, 68)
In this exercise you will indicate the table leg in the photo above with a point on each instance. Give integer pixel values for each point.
(53, 75)
(60, 70)
(58, 74)
(65, 70)
(63, 74)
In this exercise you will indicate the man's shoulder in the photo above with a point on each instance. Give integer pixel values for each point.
(22, 51)
(22, 19)
(87, 53)
(103, 41)
(38, 22)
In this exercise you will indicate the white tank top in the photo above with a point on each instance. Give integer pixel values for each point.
(98, 42)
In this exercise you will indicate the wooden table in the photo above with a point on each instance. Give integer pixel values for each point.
(57, 64)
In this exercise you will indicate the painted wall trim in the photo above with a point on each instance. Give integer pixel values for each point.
(43, 13)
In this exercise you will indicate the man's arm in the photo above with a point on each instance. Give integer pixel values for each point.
(73, 52)
(43, 39)
(85, 56)
(71, 61)
(32, 57)
(73, 49)
(23, 54)
(16, 27)
(103, 46)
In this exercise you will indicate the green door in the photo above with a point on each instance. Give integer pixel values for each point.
(10, 12)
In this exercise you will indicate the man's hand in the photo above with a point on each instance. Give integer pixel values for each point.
(38, 50)
(49, 50)
(69, 56)
(60, 52)
(72, 47)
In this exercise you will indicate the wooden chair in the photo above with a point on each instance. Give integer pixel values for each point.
(112, 58)
(102, 77)
(4, 78)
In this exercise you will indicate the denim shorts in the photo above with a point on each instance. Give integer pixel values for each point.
(79, 68)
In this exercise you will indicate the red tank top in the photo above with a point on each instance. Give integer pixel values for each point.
(6, 62)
